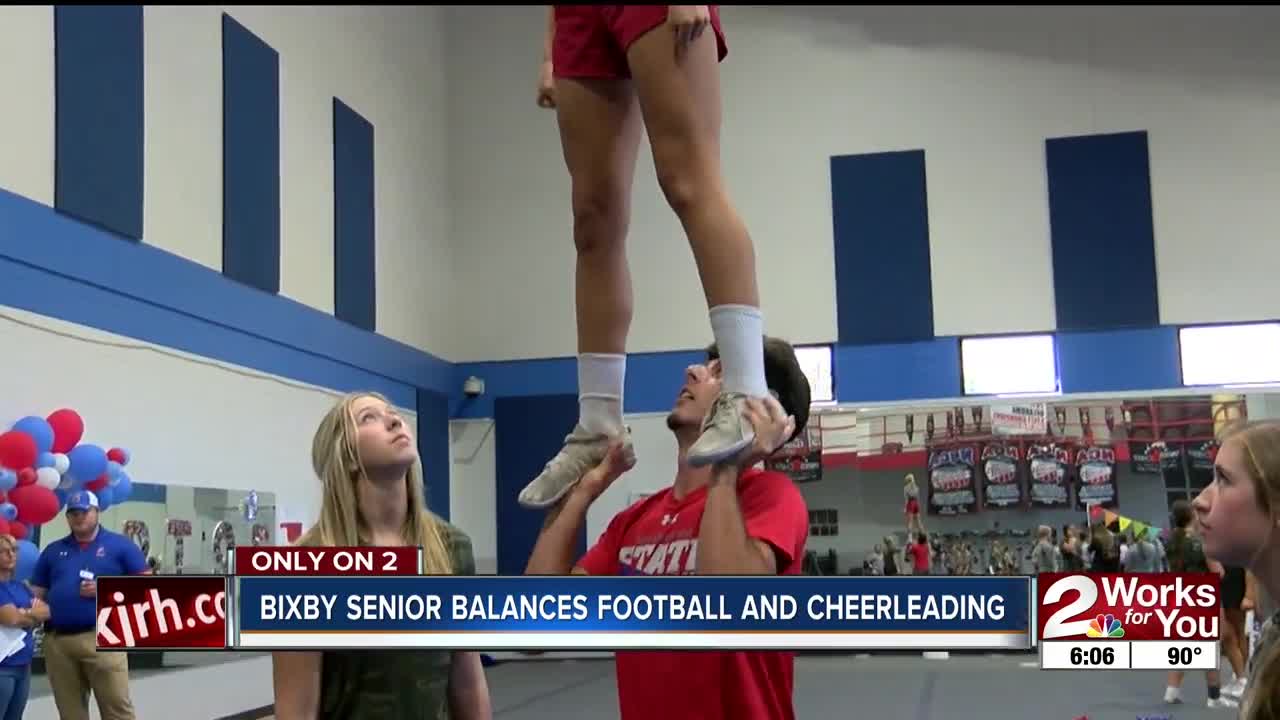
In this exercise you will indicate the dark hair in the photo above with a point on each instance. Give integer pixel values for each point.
(1181, 512)
(784, 377)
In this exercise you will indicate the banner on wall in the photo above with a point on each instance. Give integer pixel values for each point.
(1201, 456)
(1096, 477)
(1153, 458)
(953, 485)
(1001, 476)
(800, 459)
(1024, 419)
(1049, 466)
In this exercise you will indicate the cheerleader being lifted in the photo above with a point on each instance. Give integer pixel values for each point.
(912, 493)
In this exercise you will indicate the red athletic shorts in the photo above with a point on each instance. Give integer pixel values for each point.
(592, 40)
(913, 506)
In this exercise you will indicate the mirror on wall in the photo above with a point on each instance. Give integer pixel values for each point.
(181, 530)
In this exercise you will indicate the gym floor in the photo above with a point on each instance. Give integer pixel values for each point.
(880, 688)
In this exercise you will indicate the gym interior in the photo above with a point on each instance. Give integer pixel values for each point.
(214, 221)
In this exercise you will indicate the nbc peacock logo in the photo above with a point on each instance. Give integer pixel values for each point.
(1105, 626)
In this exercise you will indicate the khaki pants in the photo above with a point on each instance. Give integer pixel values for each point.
(75, 667)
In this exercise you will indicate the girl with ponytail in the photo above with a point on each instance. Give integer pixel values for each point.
(1239, 519)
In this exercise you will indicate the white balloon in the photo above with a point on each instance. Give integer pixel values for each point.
(48, 478)
(62, 463)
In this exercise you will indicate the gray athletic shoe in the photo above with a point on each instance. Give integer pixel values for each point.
(725, 432)
(582, 451)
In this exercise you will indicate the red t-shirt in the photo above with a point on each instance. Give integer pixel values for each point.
(919, 553)
(659, 536)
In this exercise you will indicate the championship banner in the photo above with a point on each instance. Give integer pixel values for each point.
(800, 459)
(1027, 419)
(1049, 466)
(953, 484)
(1096, 478)
(632, 613)
(1001, 479)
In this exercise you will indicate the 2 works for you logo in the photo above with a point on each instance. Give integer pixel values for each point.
(1155, 606)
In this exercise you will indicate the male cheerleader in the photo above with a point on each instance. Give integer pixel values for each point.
(726, 519)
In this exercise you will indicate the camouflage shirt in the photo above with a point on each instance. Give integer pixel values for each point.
(1267, 639)
(393, 684)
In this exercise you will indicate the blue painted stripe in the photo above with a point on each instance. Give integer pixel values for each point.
(433, 448)
(99, 116)
(354, 274)
(903, 371)
(880, 216)
(250, 158)
(149, 493)
(1104, 257)
(197, 304)
(83, 275)
(653, 380)
(1119, 360)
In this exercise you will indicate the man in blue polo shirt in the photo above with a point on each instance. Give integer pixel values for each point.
(65, 577)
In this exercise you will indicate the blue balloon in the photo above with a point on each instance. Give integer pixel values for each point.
(113, 471)
(122, 489)
(105, 498)
(8, 480)
(45, 460)
(28, 553)
(39, 429)
(62, 496)
(9, 511)
(88, 462)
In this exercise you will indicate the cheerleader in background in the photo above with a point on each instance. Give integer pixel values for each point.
(911, 492)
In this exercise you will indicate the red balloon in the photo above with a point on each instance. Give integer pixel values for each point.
(36, 505)
(26, 476)
(4, 526)
(97, 484)
(17, 450)
(116, 455)
(68, 428)
(18, 530)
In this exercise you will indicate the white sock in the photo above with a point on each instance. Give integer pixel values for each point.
(739, 333)
(600, 381)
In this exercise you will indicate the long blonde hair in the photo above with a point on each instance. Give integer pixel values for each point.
(1261, 440)
(336, 460)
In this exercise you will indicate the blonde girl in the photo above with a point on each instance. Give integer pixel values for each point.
(367, 461)
(1239, 520)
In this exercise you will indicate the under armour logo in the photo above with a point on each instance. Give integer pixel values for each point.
(669, 519)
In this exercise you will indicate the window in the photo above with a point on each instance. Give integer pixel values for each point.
(1009, 365)
(823, 523)
(1230, 354)
(815, 361)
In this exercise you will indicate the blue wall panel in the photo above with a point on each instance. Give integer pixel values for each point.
(99, 116)
(250, 158)
(354, 273)
(1104, 258)
(433, 448)
(884, 287)
(530, 431)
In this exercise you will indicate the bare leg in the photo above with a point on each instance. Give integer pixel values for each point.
(600, 135)
(680, 101)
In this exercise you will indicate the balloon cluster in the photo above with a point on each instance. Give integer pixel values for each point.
(42, 462)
